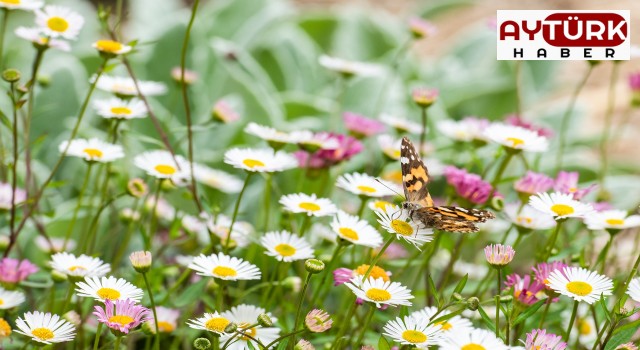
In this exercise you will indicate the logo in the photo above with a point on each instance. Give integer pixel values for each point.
(563, 35)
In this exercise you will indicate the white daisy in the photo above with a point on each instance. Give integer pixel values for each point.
(634, 289)
(79, 266)
(355, 230)
(390, 146)
(401, 124)
(162, 165)
(465, 130)
(101, 288)
(365, 185)
(9, 299)
(28, 5)
(35, 36)
(381, 205)
(120, 109)
(267, 133)
(224, 267)
(580, 284)
(308, 204)
(211, 322)
(111, 47)
(167, 320)
(58, 21)
(516, 137)
(260, 160)
(560, 205)
(380, 292)
(220, 224)
(476, 339)
(245, 315)
(413, 331)
(218, 179)
(454, 324)
(349, 68)
(286, 247)
(54, 244)
(92, 150)
(528, 217)
(125, 86)
(399, 223)
(612, 219)
(45, 328)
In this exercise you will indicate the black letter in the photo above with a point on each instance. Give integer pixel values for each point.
(542, 53)
(609, 53)
(587, 53)
(517, 52)
(564, 53)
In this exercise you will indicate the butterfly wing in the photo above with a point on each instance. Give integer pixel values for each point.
(415, 175)
(453, 219)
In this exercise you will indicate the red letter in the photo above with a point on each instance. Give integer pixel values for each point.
(531, 32)
(504, 33)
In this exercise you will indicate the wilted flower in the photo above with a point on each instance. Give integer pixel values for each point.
(14, 271)
(360, 126)
(318, 321)
(424, 97)
(567, 183)
(126, 316)
(499, 255)
(421, 28)
(468, 186)
(141, 261)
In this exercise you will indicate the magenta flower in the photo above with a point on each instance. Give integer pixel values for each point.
(394, 251)
(361, 126)
(421, 28)
(425, 97)
(634, 81)
(347, 147)
(468, 186)
(567, 182)
(601, 206)
(543, 270)
(532, 183)
(516, 120)
(126, 317)
(14, 270)
(539, 339)
(342, 275)
(525, 291)
(223, 112)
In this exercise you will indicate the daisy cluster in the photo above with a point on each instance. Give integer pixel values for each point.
(348, 206)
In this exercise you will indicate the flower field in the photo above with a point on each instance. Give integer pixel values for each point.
(271, 174)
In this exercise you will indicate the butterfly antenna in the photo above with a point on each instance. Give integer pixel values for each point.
(385, 185)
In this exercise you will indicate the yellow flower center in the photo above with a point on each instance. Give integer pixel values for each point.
(309, 206)
(367, 189)
(584, 327)
(348, 233)
(5, 328)
(121, 110)
(12, 2)
(376, 272)
(165, 327)
(57, 24)
(615, 222)
(93, 152)
(395, 153)
(381, 204)
(393, 176)
(402, 227)
(414, 337)
(473, 346)
(515, 142)
(108, 46)
(524, 219)
(285, 249)
(562, 209)
(252, 163)
(224, 271)
(42, 333)
(250, 332)
(1, 302)
(217, 324)
(579, 288)
(77, 267)
(573, 189)
(376, 294)
(122, 320)
(108, 293)
(445, 326)
(165, 169)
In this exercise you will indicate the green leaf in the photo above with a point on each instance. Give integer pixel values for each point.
(530, 311)
(622, 335)
(191, 294)
(433, 290)
(383, 344)
(460, 286)
(487, 320)
(444, 318)
(605, 309)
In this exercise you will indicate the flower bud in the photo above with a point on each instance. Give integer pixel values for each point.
(314, 266)
(58, 277)
(473, 303)
(11, 75)
(141, 261)
(137, 188)
(457, 297)
(231, 328)
(497, 203)
(506, 299)
(201, 344)
(264, 320)
(303, 345)
(424, 97)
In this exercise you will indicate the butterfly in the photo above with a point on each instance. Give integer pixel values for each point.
(419, 203)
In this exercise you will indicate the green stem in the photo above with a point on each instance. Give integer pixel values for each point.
(573, 318)
(374, 261)
(363, 204)
(14, 168)
(423, 133)
(267, 201)
(83, 188)
(547, 305)
(455, 255)
(364, 327)
(497, 298)
(326, 272)
(502, 167)
(27, 120)
(117, 345)
(268, 346)
(90, 240)
(604, 140)
(67, 299)
(97, 338)
(297, 319)
(153, 218)
(153, 308)
(235, 212)
(3, 30)
(632, 274)
(385, 84)
(552, 241)
(306, 223)
(564, 124)
(603, 255)
(346, 322)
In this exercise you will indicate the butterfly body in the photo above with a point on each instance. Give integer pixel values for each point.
(419, 203)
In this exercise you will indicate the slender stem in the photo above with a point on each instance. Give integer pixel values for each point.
(327, 271)
(235, 213)
(604, 140)
(604, 254)
(91, 234)
(97, 338)
(297, 319)
(67, 300)
(153, 218)
(564, 124)
(306, 223)
(502, 167)
(609, 334)
(346, 322)
(14, 169)
(117, 345)
(385, 84)
(423, 133)
(497, 299)
(153, 308)
(518, 81)
(547, 305)
(552, 241)
(3, 30)
(268, 346)
(83, 188)
(27, 120)
(374, 260)
(363, 204)
(573, 318)
(267, 201)
(632, 274)
(457, 249)
(185, 99)
(367, 321)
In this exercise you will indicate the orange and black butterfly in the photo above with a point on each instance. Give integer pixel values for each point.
(415, 178)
